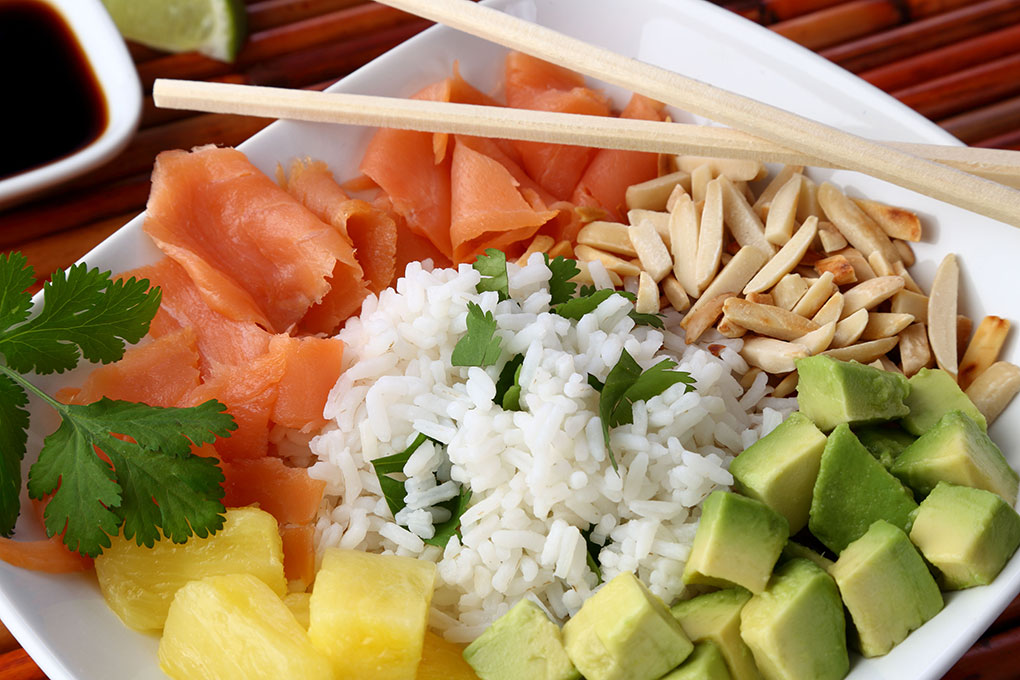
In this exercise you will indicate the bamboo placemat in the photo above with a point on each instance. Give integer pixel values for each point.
(955, 61)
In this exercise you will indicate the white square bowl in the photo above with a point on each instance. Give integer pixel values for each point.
(62, 620)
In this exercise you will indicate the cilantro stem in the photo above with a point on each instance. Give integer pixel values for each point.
(28, 385)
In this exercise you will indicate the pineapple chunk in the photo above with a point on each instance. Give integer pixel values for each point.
(443, 660)
(368, 613)
(298, 604)
(139, 583)
(233, 626)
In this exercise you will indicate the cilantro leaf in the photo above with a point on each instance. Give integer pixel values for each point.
(595, 383)
(149, 480)
(593, 550)
(508, 386)
(642, 319)
(446, 530)
(626, 384)
(480, 346)
(16, 276)
(492, 267)
(13, 439)
(393, 490)
(577, 307)
(561, 288)
(84, 314)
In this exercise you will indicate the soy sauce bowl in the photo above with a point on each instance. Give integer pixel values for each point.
(92, 61)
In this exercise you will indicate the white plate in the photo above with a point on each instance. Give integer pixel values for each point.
(62, 621)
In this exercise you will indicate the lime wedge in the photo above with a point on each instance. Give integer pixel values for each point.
(213, 27)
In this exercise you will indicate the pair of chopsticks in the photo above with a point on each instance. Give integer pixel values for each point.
(950, 174)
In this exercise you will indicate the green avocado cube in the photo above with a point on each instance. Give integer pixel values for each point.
(794, 550)
(715, 617)
(884, 442)
(624, 632)
(704, 663)
(831, 392)
(968, 534)
(795, 627)
(737, 542)
(956, 450)
(780, 468)
(886, 587)
(853, 490)
(933, 394)
(523, 643)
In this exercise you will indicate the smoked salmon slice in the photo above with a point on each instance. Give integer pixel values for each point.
(312, 368)
(49, 555)
(298, 552)
(255, 253)
(607, 177)
(286, 493)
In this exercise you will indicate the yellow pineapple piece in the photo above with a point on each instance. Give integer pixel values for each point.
(139, 583)
(368, 613)
(298, 603)
(443, 660)
(234, 627)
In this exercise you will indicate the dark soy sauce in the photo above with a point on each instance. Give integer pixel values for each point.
(51, 104)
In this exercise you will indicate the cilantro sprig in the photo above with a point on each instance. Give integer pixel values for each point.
(480, 346)
(147, 483)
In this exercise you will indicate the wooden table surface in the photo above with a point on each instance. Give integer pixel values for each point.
(955, 61)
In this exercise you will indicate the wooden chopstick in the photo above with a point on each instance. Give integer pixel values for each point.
(761, 120)
(541, 126)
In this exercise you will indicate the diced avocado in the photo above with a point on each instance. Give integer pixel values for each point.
(933, 394)
(624, 632)
(831, 392)
(956, 450)
(704, 663)
(523, 643)
(795, 627)
(737, 542)
(852, 491)
(715, 617)
(968, 534)
(792, 551)
(886, 587)
(884, 442)
(780, 468)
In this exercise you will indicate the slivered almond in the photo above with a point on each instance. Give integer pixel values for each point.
(612, 237)
(761, 298)
(783, 212)
(676, 294)
(771, 355)
(862, 270)
(830, 237)
(783, 262)
(915, 353)
(786, 386)
(736, 169)
(789, 290)
(994, 389)
(660, 220)
(855, 225)
(840, 268)
(647, 295)
(818, 292)
(880, 265)
(942, 314)
(748, 378)
(609, 261)
(741, 219)
(683, 235)
(964, 326)
(908, 280)
(700, 177)
(896, 222)
(653, 194)
(699, 320)
(734, 276)
(885, 363)
(850, 328)
(808, 203)
(909, 302)
(885, 324)
(769, 320)
(730, 329)
(832, 310)
(983, 349)
(675, 195)
(871, 293)
(905, 251)
(651, 251)
(745, 189)
(584, 276)
(818, 340)
(864, 352)
(540, 244)
(765, 198)
(562, 249)
(710, 235)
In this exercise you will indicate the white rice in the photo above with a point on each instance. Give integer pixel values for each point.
(539, 476)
